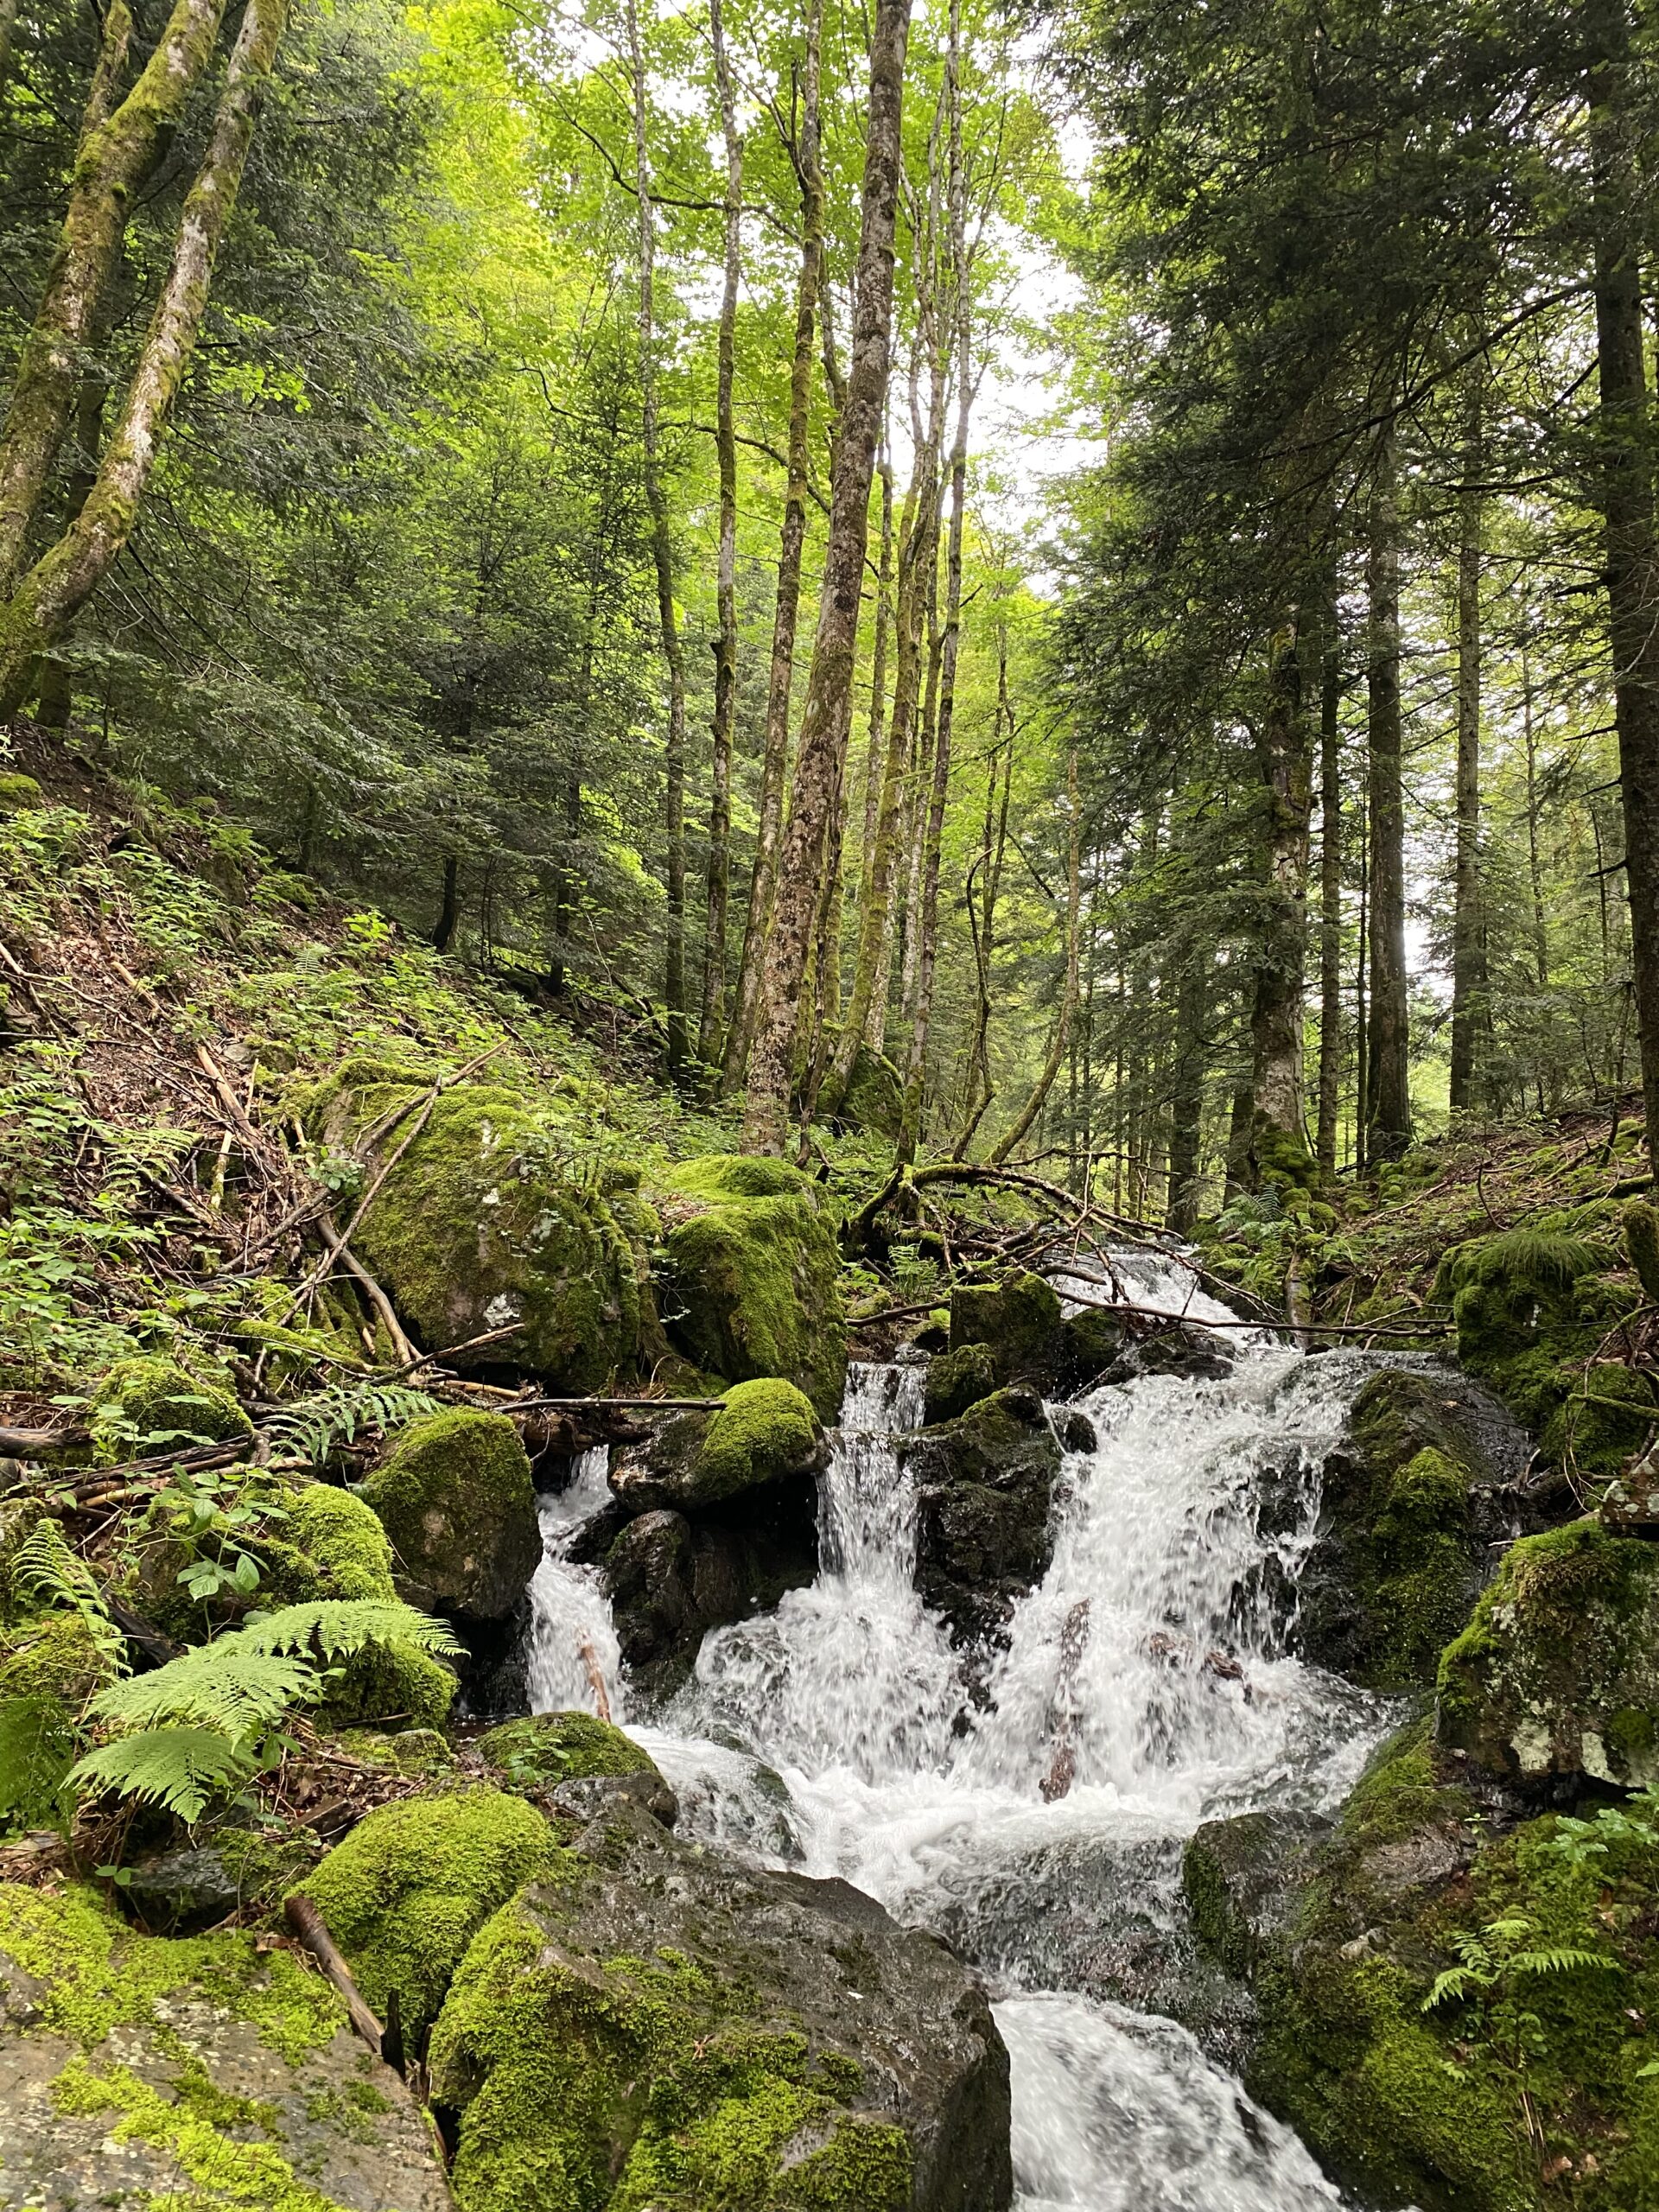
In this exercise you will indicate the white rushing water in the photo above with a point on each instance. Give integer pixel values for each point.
(1038, 1821)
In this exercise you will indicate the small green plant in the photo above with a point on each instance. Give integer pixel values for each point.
(211, 1719)
(49, 1571)
(314, 1426)
(1497, 1964)
(206, 1510)
(1635, 1824)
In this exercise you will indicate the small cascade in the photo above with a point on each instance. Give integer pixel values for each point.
(1038, 1821)
(569, 1612)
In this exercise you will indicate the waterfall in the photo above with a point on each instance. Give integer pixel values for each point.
(1038, 1822)
(569, 1609)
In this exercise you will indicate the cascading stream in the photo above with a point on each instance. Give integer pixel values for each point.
(1144, 1687)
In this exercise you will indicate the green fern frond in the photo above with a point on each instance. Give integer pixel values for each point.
(1455, 1982)
(232, 1684)
(46, 1569)
(1564, 1960)
(178, 1767)
(337, 1627)
(314, 1426)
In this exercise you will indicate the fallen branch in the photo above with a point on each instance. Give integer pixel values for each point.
(591, 1668)
(309, 1926)
(35, 1443)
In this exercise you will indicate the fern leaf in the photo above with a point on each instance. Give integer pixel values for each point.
(48, 1570)
(1455, 1982)
(230, 1685)
(339, 1626)
(1562, 1961)
(179, 1769)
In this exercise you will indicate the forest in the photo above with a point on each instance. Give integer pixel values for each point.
(828, 1015)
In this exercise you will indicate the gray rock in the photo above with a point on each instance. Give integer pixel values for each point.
(985, 1488)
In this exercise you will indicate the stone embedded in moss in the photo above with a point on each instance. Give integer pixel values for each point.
(764, 1432)
(455, 1495)
(957, 1380)
(667, 2028)
(342, 1537)
(752, 1274)
(874, 1096)
(140, 1402)
(409, 1888)
(552, 1747)
(1557, 1671)
(487, 1219)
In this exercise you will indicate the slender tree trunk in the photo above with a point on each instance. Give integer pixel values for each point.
(981, 1091)
(118, 147)
(1468, 1012)
(58, 585)
(1388, 1098)
(1626, 497)
(8, 32)
(1362, 994)
(662, 547)
(1535, 869)
(829, 686)
(712, 1012)
(1187, 1094)
(921, 787)
(1013, 1136)
(1279, 1139)
(774, 759)
(1330, 892)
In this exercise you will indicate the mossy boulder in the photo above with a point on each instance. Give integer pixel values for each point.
(552, 1747)
(1438, 2102)
(409, 1888)
(985, 1493)
(764, 1432)
(958, 1380)
(874, 1096)
(196, 2071)
(454, 1495)
(1408, 1504)
(1557, 1674)
(667, 2028)
(1020, 1323)
(149, 1403)
(751, 1275)
(19, 793)
(48, 1667)
(488, 1220)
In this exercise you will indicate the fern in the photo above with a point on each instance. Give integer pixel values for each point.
(313, 1427)
(46, 1569)
(1564, 1960)
(208, 1718)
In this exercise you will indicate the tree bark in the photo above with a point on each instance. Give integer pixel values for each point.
(712, 1012)
(1469, 1010)
(829, 693)
(118, 149)
(1387, 1094)
(1330, 892)
(774, 759)
(1186, 1095)
(59, 583)
(661, 548)
(1051, 1068)
(1625, 496)
(1278, 1138)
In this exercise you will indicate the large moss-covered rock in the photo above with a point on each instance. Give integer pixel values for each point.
(874, 1096)
(553, 1747)
(1519, 2086)
(752, 1275)
(488, 1220)
(1557, 1676)
(1020, 1325)
(138, 2072)
(149, 1404)
(455, 1495)
(958, 1380)
(409, 1888)
(985, 1490)
(764, 1432)
(1408, 1504)
(667, 2029)
(49, 1664)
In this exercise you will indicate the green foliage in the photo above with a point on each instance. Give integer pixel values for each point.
(313, 1427)
(545, 1748)
(44, 1567)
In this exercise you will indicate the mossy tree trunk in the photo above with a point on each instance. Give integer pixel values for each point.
(828, 712)
(1282, 756)
(58, 586)
(1469, 1008)
(1388, 1101)
(774, 759)
(119, 144)
(1330, 889)
(1187, 1093)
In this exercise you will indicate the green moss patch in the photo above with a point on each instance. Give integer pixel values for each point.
(149, 1403)
(455, 1497)
(552, 1747)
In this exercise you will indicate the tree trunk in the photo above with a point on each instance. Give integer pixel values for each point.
(1279, 1139)
(118, 147)
(1534, 870)
(662, 547)
(921, 789)
(1330, 892)
(829, 686)
(443, 930)
(59, 583)
(1186, 1095)
(1626, 500)
(1469, 1011)
(774, 758)
(1387, 1094)
(1045, 1082)
(712, 1012)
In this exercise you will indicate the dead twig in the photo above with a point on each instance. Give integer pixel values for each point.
(309, 1926)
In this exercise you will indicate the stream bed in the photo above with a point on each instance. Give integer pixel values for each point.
(1036, 1817)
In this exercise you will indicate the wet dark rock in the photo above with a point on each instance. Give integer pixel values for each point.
(181, 1892)
(958, 1380)
(1184, 1349)
(1244, 1878)
(764, 1432)
(1076, 1431)
(1018, 1325)
(1411, 1502)
(985, 1490)
(589, 1797)
(857, 2061)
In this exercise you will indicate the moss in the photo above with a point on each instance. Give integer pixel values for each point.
(99, 1975)
(455, 1495)
(874, 1096)
(765, 1429)
(19, 793)
(642, 2085)
(343, 1538)
(408, 1889)
(144, 1402)
(1641, 1223)
(753, 1276)
(548, 1747)
(1421, 1546)
(486, 1220)
(1019, 1318)
(50, 1655)
(958, 1380)
(391, 1685)
(39, 1744)
(415, 1751)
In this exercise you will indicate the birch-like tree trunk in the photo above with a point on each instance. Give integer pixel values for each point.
(1469, 1009)
(1387, 1093)
(1281, 750)
(53, 591)
(828, 712)
(1329, 891)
